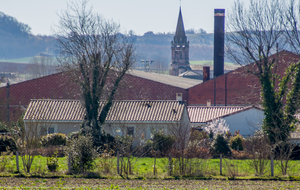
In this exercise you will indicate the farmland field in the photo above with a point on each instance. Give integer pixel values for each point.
(81, 183)
(207, 63)
(21, 60)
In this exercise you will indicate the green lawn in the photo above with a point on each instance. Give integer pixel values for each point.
(207, 63)
(21, 60)
(144, 167)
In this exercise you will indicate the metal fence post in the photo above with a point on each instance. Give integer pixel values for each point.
(272, 165)
(69, 163)
(220, 164)
(17, 161)
(170, 164)
(118, 159)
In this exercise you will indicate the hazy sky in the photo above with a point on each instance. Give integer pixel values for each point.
(137, 15)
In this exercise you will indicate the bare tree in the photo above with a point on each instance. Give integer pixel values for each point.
(291, 21)
(254, 34)
(96, 55)
(128, 143)
(42, 66)
(282, 151)
(259, 149)
(28, 139)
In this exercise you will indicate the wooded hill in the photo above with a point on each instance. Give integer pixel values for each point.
(16, 41)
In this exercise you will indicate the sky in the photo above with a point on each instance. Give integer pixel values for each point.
(137, 15)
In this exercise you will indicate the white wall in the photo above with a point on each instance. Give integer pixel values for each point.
(247, 121)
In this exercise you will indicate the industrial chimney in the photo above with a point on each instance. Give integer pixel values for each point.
(219, 42)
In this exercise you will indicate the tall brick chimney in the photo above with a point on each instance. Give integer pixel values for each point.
(219, 42)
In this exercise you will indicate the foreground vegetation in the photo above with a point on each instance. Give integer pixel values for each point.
(143, 169)
(80, 183)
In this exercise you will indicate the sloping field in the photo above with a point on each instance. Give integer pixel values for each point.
(21, 60)
(208, 63)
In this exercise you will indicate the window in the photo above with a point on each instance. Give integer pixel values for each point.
(130, 131)
(50, 130)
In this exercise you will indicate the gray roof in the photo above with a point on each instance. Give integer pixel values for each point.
(204, 114)
(171, 80)
(73, 110)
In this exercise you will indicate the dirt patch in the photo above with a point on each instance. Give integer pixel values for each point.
(73, 183)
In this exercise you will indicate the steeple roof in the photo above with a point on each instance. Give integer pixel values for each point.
(180, 36)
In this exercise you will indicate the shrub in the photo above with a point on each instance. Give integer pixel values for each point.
(73, 135)
(52, 162)
(220, 146)
(198, 135)
(7, 143)
(3, 128)
(259, 149)
(161, 143)
(240, 155)
(82, 154)
(106, 162)
(236, 141)
(55, 139)
(5, 159)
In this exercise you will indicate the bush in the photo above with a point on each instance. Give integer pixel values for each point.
(7, 142)
(73, 135)
(236, 141)
(198, 135)
(161, 143)
(82, 154)
(3, 128)
(55, 139)
(52, 162)
(220, 146)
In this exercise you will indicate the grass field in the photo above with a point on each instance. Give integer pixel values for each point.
(143, 167)
(208, 63)
(21, 60)
(143, 177)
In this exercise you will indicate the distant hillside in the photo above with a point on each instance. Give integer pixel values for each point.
(16, 40)
(201, 46)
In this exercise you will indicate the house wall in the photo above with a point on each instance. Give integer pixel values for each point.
(247, 121)
(67, 128)
(145, 130)
(59, 127)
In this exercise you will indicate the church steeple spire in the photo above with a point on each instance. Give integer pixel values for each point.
(180, 36)
(180, 50)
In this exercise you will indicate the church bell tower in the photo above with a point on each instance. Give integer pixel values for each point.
(180, 50)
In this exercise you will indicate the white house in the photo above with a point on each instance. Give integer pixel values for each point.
(246, 119)
(138, 118)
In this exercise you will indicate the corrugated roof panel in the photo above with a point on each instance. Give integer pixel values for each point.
(73, 110)
(203, 114)
(176, 81)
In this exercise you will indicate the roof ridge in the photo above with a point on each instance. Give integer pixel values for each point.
(61, 72)
(113, 100)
